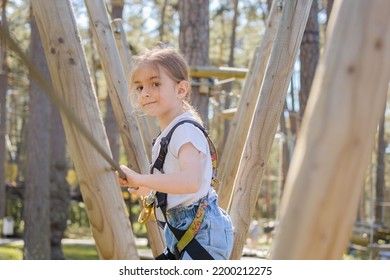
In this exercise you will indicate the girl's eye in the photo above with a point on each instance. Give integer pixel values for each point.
(156, 84)
(139, 89)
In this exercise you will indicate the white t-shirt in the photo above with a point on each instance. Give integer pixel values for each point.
(185, 133)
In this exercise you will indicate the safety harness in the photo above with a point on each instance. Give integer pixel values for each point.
(186, 238)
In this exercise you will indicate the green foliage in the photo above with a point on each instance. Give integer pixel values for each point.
(78, 214)
(14, 210)
(79, 226)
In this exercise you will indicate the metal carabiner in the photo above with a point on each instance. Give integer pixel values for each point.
(147, 208)
(145, 214)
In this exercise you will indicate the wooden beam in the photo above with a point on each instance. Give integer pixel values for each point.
(242, 118)
(147, 125)
(266, 118)
(117, 85)
(327, 172)
(119, 94)
(229, 113)
(70, 76)
(217, 72)
(148, 128)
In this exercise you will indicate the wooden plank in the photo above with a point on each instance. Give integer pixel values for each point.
(70, 76)
(326, 176)
(229, 113)
(218, 72)
(266, 118)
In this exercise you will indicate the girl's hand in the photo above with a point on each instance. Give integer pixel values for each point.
(130, 177)
(131, 181)
(140, 191)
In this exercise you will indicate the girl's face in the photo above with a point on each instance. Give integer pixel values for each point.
(157, 94)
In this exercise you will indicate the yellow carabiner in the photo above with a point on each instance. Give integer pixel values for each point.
(147, 207)
(145, 212)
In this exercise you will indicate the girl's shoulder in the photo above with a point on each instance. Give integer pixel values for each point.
(188, 133)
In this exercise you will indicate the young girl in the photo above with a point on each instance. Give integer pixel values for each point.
(161, 81)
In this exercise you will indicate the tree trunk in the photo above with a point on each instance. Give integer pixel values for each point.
(284, 152)
(194, 44)
(266, 118)
(59, 187)
(323, 188)
(3, 116)
(112, 130)
(162, 21)
(99, 184)
(309, 54)
(37, 193)
(269, 4)
(228, 87)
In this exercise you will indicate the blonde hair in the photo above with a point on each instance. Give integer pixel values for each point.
(175, 65)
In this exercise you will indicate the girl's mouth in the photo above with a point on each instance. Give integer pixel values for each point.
(149, 103)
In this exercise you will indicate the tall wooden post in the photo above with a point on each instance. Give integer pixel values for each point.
(120, 99)
(116, 84)
(71, 79)
(266, 118)
(348, 96)
(147, 125)
(242, 119)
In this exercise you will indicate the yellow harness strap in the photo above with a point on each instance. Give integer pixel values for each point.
(193, 228)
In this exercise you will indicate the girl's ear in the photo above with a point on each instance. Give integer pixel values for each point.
(183, 87)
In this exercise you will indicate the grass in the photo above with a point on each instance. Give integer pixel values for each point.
(80, 252)
(10, 253)
(14, 251)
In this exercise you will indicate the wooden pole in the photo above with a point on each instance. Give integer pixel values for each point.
(70, 76)
(120, 99)
(324, 183)
(147, 125)
(117, 85)
(228, 165)
(266, 118)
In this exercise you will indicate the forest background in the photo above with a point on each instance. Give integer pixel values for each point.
(31, 135)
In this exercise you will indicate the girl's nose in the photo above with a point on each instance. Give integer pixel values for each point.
(146, 91)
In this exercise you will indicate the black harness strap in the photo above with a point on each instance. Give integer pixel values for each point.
(194, 249)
